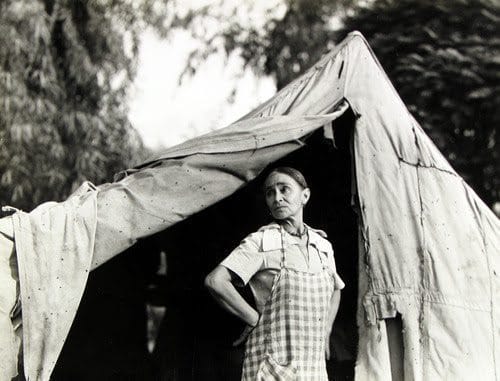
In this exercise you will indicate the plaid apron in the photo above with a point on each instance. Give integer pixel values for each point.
(288, 342)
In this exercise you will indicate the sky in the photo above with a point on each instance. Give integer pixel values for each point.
(166, 113)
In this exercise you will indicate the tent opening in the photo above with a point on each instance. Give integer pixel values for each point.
(195, 337)
(194, 341)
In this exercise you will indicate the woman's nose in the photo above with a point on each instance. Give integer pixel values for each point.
(278, 197)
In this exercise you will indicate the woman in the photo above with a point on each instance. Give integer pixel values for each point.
(291, 271)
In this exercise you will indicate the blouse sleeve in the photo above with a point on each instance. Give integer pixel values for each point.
(247, 259)
(339, 283)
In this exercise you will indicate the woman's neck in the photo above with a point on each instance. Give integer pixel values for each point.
(293, 226)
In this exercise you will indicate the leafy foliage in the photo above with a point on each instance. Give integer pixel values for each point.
(294, 35)
(442, 56)
(65, 67)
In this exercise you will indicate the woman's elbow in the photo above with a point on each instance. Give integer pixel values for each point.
(210, 281)
(214, 281)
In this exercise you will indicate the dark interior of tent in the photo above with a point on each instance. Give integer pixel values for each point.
(109, 336)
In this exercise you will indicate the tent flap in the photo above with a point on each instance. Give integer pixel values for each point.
(170, 190)
(54, 245)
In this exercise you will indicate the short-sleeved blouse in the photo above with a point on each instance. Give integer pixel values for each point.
(257, 259)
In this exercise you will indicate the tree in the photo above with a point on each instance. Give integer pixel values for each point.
(442, 57)
(65, 67)
(293, 36)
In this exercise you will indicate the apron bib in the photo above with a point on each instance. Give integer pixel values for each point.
(288, 342)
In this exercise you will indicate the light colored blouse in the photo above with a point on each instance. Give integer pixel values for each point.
(257, 259)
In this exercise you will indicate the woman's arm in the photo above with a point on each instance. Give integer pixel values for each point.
(332, 313)
(219, 283)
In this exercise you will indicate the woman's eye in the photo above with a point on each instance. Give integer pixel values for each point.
(285, 189)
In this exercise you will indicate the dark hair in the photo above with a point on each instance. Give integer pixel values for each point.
(293, 173)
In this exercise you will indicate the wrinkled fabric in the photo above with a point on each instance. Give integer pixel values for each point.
(54, 245)
(181, 183)
(429, 246)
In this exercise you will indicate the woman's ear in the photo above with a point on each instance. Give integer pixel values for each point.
(306, 194)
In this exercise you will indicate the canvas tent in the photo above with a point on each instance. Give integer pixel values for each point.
(427, 247)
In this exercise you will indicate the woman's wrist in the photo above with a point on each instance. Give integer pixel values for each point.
(255, 320)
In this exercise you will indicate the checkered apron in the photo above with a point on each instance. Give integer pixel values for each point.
(288, 343)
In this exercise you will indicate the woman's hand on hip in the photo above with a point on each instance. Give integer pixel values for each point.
(246, 332)
(244, 336)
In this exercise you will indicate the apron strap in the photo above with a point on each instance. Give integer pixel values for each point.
(320, 255)
(282, 234)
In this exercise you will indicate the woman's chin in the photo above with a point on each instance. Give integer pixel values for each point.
(279, 216)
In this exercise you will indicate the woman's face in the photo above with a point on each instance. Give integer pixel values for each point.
(285, 198)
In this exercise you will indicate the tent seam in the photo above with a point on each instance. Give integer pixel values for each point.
(422, 260)
(419, 165)
(362, 213)
(422, 269)
(424, 347)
